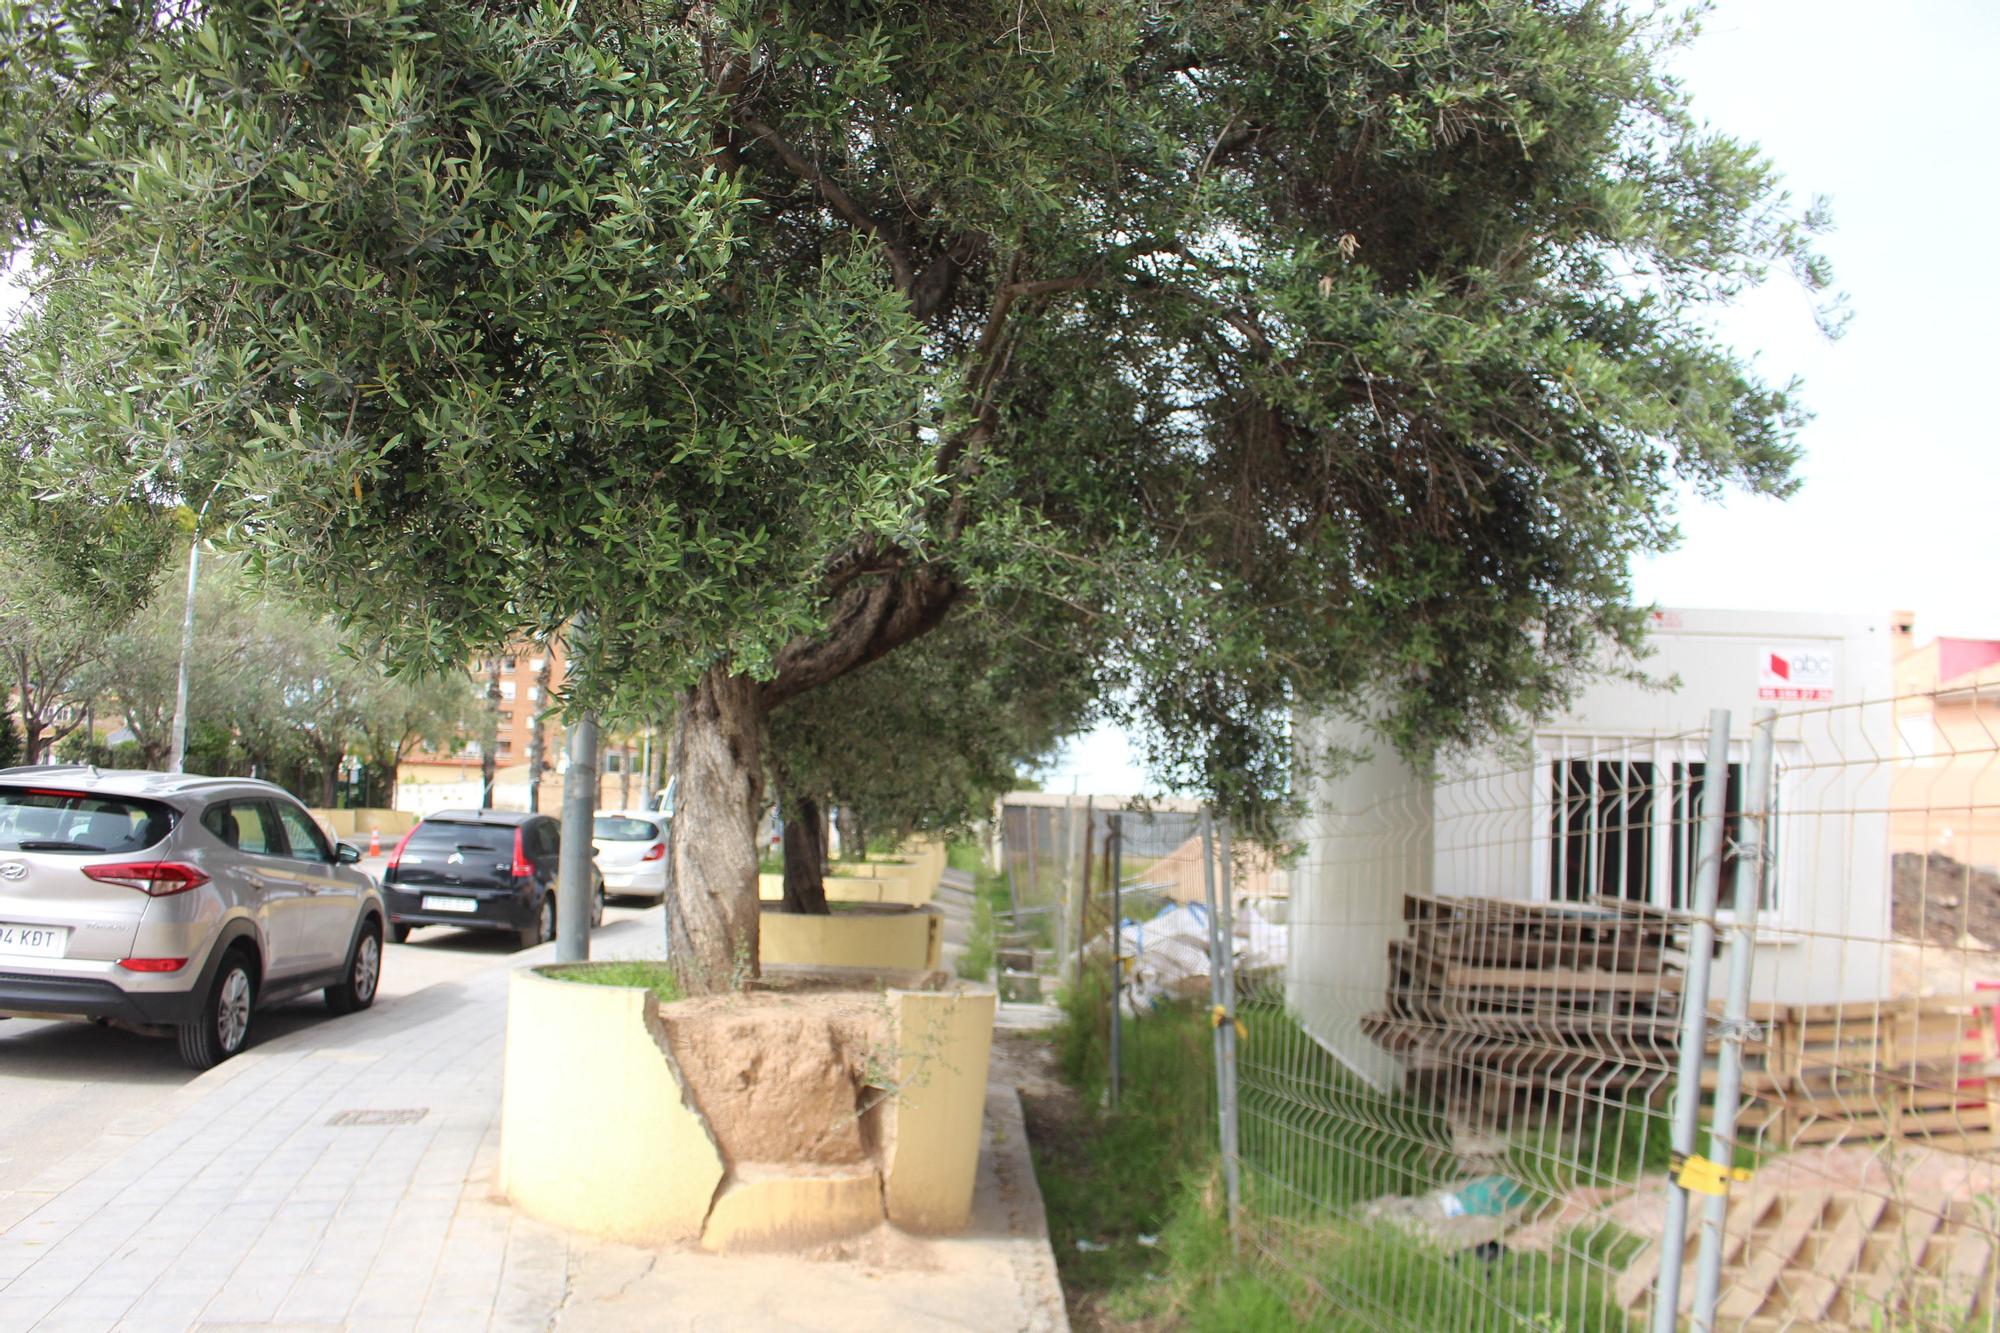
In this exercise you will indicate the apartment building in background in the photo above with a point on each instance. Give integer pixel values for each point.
(529, 675)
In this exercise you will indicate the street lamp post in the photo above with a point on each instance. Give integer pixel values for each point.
(177, 758)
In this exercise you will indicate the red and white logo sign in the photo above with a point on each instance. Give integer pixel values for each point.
(1795, 674)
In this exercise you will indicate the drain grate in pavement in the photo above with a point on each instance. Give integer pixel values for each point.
(409, 1116)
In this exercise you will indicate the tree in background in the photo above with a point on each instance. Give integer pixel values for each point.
(138, 671)
(399, 714)
(928, 737)
(1342, 355)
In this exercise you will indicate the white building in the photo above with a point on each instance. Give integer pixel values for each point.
(1603, 800)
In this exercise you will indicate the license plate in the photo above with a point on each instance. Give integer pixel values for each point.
(33, 941)
(449, 904)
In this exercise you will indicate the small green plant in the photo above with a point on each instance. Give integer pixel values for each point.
(982, 945)
(656, 977)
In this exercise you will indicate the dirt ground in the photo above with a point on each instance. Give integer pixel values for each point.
(785, 1078)
(1940, 901)
(1056, 1126)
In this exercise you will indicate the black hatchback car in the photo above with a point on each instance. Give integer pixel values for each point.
(480, 870)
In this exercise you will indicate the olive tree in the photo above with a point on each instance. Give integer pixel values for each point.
(928, 737)
(1332, 351)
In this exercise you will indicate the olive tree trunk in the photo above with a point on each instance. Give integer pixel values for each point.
(805, 857)
(719, 770)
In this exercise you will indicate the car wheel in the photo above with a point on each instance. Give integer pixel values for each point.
(544, 928)
(356, 990)
(223, 1026)
(597, 906)
(399, 932)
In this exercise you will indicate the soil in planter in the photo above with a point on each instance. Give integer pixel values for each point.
(788, 1076)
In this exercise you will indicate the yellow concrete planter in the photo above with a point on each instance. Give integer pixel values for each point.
(602, 1130)
(880, 941)
(902, 889)
(597, 1132)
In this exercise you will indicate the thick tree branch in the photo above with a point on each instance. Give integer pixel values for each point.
(840, 201)
(868, 621)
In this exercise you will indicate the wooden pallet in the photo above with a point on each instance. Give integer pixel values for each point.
(1826, 1259)
(1507, 1003)
(1918, 1069)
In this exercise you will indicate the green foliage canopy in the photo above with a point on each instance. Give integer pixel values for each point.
(1331, 350)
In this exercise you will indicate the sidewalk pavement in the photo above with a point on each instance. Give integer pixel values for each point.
(341, 1177)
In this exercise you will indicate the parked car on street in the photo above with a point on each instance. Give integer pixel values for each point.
(631, 848)
(172, 903)
(479, 870)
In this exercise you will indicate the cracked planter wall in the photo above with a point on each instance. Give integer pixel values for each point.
(596, 1130)
(604, 1129)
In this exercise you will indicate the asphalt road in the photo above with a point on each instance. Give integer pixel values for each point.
(62, 1084)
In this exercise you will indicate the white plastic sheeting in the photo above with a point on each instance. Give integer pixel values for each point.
(1167, 955)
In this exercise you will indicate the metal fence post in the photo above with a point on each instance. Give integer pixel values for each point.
(1065, 910)
(1735, 1025)
(1221, 991)
(1232, 1166)
(1117, 949)
(1073, 962)
(1694, 1015)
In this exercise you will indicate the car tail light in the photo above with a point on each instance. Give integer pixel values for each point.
(395, 857)
(655, 852)
(152, 964)
(520, 869)
(155, 879)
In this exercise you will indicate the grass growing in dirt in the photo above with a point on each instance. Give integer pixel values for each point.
(1139, 1186)
(989, 898)
(656, 977)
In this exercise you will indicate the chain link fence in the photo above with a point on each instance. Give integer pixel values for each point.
(1687, 1030)
(1599, 1041)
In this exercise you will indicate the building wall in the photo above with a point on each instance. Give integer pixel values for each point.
(430, 781)
(1481, 827)
(1947, 788)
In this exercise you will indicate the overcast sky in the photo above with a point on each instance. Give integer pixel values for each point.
(1886, 111)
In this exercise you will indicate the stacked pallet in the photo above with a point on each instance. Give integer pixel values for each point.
(1915, 1069)
(1493, 1002)
(1819, 1258)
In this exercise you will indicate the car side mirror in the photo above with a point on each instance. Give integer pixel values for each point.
(346, 853)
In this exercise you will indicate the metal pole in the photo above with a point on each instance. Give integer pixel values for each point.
(574, 877)
(1218, 963)
(177, 755)
(1066, 910)
(1034, 871)
(1735, 1025)
(1232, 1170)
(1117, 949)
(1007, 854)
(1073, 964)
(1694, 1015)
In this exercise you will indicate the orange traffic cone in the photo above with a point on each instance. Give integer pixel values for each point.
(374, 842)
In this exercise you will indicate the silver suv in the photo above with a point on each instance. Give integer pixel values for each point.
(169, 902)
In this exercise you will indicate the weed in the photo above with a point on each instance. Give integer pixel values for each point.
(981, 945)
(656, 977)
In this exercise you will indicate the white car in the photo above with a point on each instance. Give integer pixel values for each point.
(631, 848)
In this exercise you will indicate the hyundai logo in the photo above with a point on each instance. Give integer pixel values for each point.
(13, 870)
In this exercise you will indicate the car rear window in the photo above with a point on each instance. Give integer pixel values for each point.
(78, 823)
(436, 835)
(614, 828)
